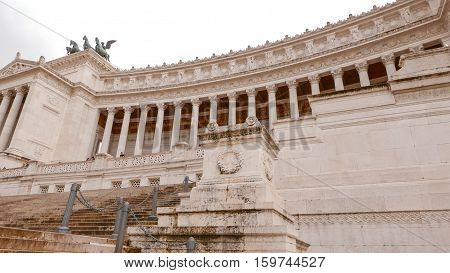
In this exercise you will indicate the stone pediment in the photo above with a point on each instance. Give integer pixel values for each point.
(87, 57)
(17, 66)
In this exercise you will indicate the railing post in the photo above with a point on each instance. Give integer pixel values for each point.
(186, 183)
(119, 202)
(191, 245)
(64, 228)
(122, 228)
(153, 216)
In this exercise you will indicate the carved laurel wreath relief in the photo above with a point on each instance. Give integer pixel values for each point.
(229, 162)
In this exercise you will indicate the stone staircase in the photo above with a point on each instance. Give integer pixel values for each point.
(43, 212)
(13, 240)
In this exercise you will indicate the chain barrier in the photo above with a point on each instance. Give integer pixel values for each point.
(142, 202)
(170, 245)
(86, 203)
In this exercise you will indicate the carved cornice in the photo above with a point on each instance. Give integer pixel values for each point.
(287, 43)
(270, 56)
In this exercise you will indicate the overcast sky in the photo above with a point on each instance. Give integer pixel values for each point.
(153, 32)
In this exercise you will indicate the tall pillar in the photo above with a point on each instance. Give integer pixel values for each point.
(176, 124)
(94, 132)
(4, 105)
(314, 81)
(337, 76)
(11, 119)
(293, 101)
(108, 128)
(127, 110)
(193, 136)
(271, 92)
(141, 130)
(158, 128)
(251, 93)
(389, 63)
(213, 109)
(232, 108)
(363, 74)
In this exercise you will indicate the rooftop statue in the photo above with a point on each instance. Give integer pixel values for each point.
(100, 48)
(73, 49)
(86, 44)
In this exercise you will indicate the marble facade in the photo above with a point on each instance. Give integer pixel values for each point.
(358, 111)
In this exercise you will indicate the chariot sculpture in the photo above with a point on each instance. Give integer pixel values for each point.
(100, 47)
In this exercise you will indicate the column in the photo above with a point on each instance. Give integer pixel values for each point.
(11, 119)
(4, 105)
(213, 109)
(314, 81)
(158, 128)
(94, 132)
(127, 110)
(141, 130)
(251, 93)
(176, 124)
(363, 75)
(108, 128)
(337, 76)
(232, 108)
(193, 136)
(293, 101)
(271, 92)
(389, 63)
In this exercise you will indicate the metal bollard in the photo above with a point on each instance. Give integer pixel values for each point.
(64, 228)
(119, 202)
(191, 245)
(186, 183)
(122, 228)
(153, 216)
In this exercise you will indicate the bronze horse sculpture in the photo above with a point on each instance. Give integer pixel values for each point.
(73, 49)
(100, 47)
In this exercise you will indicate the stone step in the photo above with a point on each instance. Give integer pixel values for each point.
(22, 240)
(50, 236)
(41, 245)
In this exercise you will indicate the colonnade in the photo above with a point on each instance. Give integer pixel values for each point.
(9, 113)
(292, 84)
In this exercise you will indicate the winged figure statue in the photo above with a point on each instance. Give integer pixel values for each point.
(101, 48)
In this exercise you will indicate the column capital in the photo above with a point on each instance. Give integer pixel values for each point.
(128, 109)
(232, 96)
(161, 105)
(291, 84)
(337, 72)
(271, 88)
(251, 92)
(362, 66)
(213, 98)
(6, 93)
(315, 78)
(388, 59)
(144, 107)
(22, 90)
(196, 102)
(111, 110)
(178, 104)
